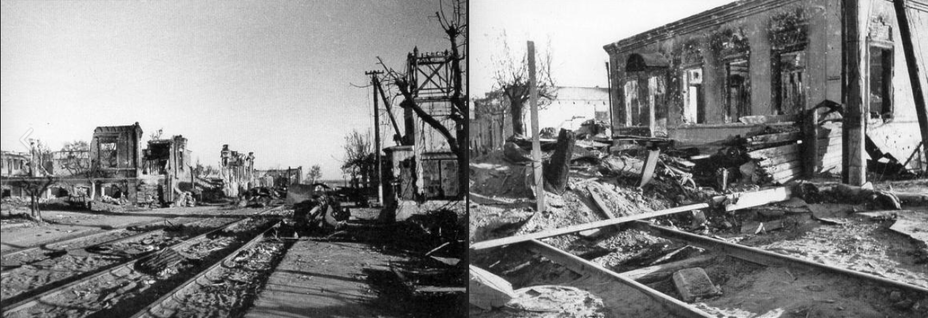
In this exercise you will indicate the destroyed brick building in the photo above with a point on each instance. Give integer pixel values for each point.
(236, 170)
(733, 70)
(14, 163)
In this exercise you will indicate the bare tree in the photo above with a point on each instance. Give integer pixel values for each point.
(76, 157)
(314, 174)
(454, 24)
(358, 162)
(512, 81)
(34, 188)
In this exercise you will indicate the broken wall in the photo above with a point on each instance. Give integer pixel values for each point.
(899, 135)
(753, 32)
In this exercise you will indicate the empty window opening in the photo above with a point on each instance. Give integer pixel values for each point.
(694, 109)
(737, 90)
(108, 154)
(790, 84)
(881, 67)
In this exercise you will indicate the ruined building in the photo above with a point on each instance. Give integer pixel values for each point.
(736, 69)
(237, 171)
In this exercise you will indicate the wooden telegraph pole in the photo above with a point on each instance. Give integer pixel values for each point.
(379, 168)
(854, 164)
(536, 143)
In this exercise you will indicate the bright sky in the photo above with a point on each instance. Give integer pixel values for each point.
(577, 31)
(273, 77)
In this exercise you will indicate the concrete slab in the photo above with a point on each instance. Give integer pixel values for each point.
(323, 279)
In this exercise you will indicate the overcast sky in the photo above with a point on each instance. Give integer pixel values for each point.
(577, 31)
(269, 76)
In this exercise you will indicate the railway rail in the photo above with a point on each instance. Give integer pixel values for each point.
(120, 287)
(868, 283)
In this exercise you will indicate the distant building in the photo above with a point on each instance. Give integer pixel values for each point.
(116, 151)
(14, 163)
(490, 124)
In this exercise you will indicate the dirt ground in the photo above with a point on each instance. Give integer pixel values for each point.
(62, 225)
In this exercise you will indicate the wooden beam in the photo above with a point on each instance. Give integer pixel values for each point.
(582, 266)
(774, 152)
(583, 227)
(663, 271)
(757, 198)
(647, 172)
(911, 61)
(772, 138)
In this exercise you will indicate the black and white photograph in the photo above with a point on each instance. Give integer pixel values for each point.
(248, 158)
(717, 158)
(464, 158)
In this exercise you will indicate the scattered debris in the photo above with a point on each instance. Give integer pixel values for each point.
(693, 283)
(487, 290)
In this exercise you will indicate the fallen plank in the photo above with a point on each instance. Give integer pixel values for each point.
(583, 227)
(584, 267)
(488, 290)
(660, 272)
(600, 204)
(751, 199)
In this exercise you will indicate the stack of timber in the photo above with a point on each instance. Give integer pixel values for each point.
(777, 154)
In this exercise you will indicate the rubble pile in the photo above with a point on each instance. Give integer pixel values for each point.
(261, 196)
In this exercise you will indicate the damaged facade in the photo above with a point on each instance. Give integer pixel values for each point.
(734, 70)
(116, 168)
(237, 171)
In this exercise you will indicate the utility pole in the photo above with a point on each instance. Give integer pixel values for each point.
(379, 168)
(609, 90)
(536, 144)
(854, 128)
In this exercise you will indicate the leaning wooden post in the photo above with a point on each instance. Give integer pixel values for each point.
(914, 72)
(536, 144)
(854, 164)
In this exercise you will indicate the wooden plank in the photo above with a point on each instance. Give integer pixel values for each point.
(788, 174)
(772, 138)
(584, 267)
(775, 151)
(767, 119)
(663, 271)
(650, 163)
(791, 165)
(600, 204)
(583, 227)
(773, 161)
(487, 290)
(751, 199)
